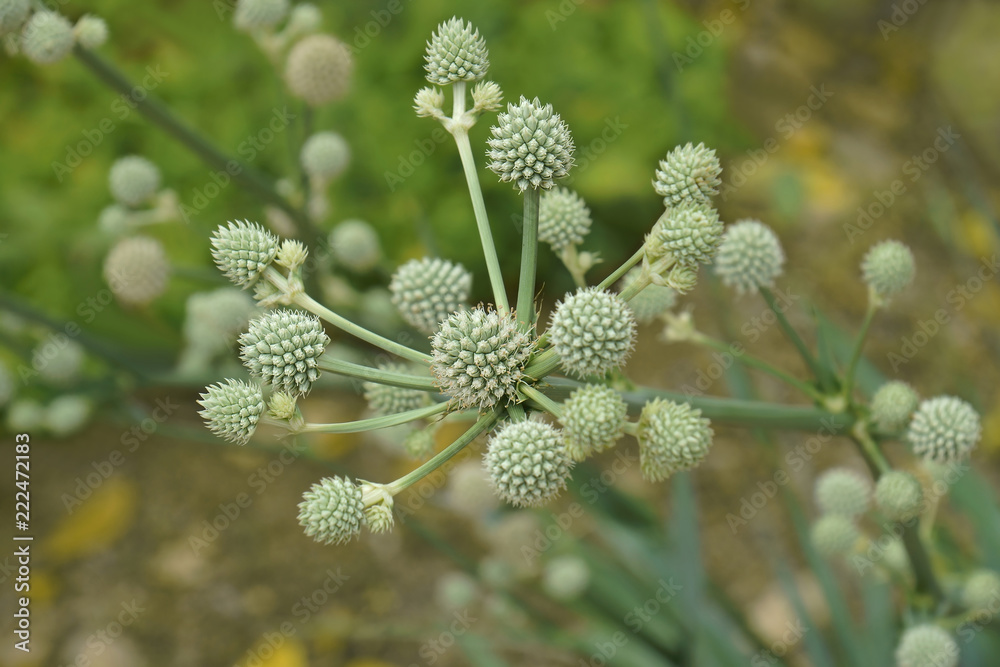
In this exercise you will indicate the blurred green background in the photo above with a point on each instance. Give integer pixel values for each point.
(815, 109)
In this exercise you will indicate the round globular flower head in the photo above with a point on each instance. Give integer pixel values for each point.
(652, 301)
(259, 14)
(688, 173)
(58, 362)
(213, 319)
(926, 646)
(303, 19)
(888, 268)
(672, 437)
(749, 257)
(332, 511)
(355, 244)
(566, 577)
(426, 291)
(691, 232)
(834, 535)
(46, 38)
(13, 14)
(318, 70)
(133, 179)
(592, 331)
(563, 218)
(843, 491)
(232, 409)
(531, 146)
(90, 31)
(981, 590)
(593, 419)
(384, 399)
(283, 349)
(137, 270)
(893, 404)
(944, 429)
(899, 495)
(67, 414)
(456, 52)
(243, 250)
(479, 356)
(527, 463)
(325, 155)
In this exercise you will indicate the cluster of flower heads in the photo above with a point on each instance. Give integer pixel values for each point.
(45, 36)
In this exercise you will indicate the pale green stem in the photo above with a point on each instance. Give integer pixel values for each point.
(374, 423)
(483, 424)
(541, 399)
(790, 333)
(859, 345)
(340, 367)
(636, 286)
(461, 135)
(570, 259)
(754, 362)
(529, 259)
(623, 269)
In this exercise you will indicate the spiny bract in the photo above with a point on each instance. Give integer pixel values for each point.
(688, 173)
(332, 511)
(479, 357)
(456, 52)
(232, 409)
(749, 257)
(283, 348)
(944, 429)
(527, 463)
(592, 331)
(593, 418)
(426, 291)
(672, 437)
(531, 146)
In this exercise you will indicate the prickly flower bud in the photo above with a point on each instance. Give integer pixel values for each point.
(282, 405)
(690, 232)
(563, 218)
(332, 510)
(531, 146)
(133, 180)
(292, 254)
(486, 96)
(527, 463)
(944, 429)
(749, 257)
(688, 174)
(888, 268)
(243, 250)
(593, 419)
(46, 38)
(429, 103)
(318, 69)
(231, 409)
(426, 291)
(456, 52)
(592, 331)
(672, 437)
(283, 348)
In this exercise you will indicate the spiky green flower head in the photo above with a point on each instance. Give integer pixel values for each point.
(893, 404)
(981, 590)
(563, 218)
(593, 419)
(419, 443)
(429, 103)
(478, 357)
(332, 510)
(137, 270)
(652, 301)
(672, 437)
(531, 146)
(282, 406)
(926, 646)
(283, 348)
(213, 319)
(887, 269)
(133, 180)
(67, 414)
(749, 257)
(355, 244)
(593, 332)
(379, 517)
(253, 15)
(90, 31)
(318, 70)
(231, 409)
(325, 155)
(384, 399)
(690, 231)
(13, 14)
(834, 535)
(899, 495)
(944, 429)
(456, 52)
(843, 491)
(426, 291)
(527, 463)
(688, 174)
(242, 250)
(486, 96)
(46, 38)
